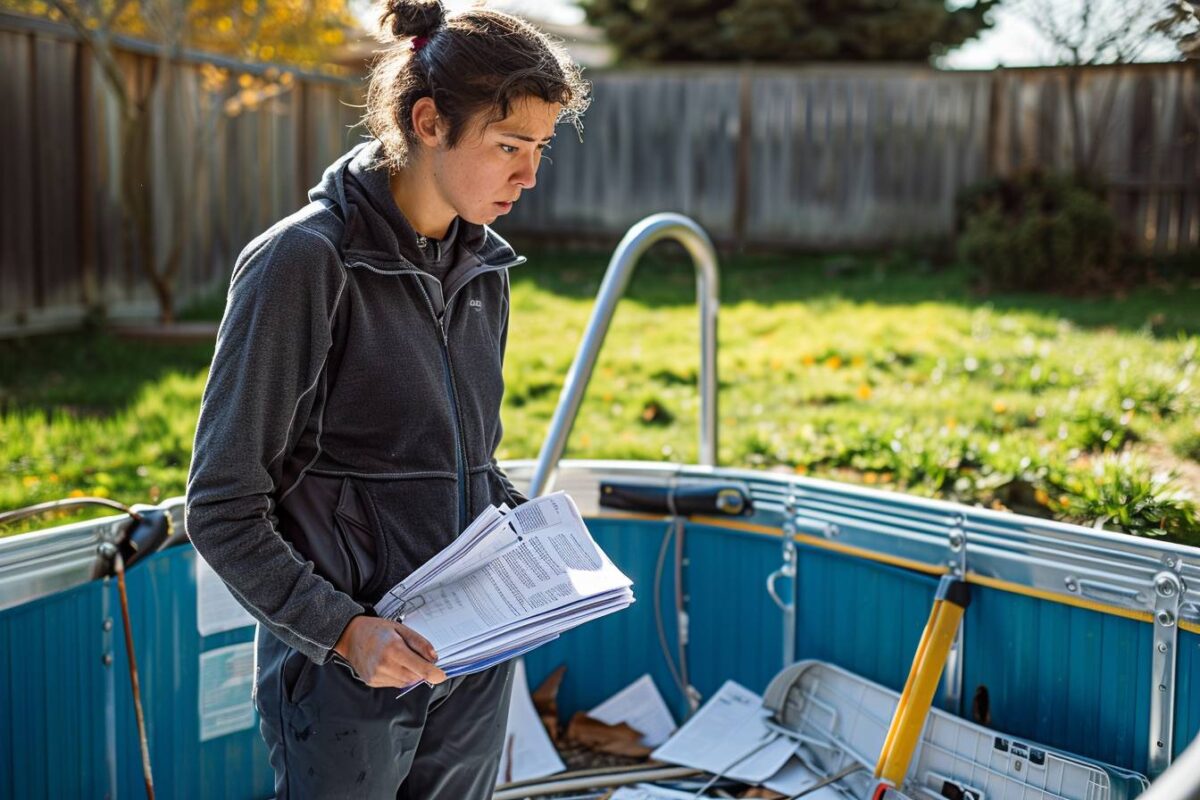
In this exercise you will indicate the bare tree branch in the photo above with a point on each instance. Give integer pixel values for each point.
(100, 42)
(1107, 31)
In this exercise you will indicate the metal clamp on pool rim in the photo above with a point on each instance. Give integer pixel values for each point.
(148, 530)
(684, 500)
(953, 597)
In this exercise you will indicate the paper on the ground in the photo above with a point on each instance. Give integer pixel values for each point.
(527, 751)
(795, 777)
(645, 791)
(728, 736)
(640, 706)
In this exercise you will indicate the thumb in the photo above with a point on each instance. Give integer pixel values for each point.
(417, 642)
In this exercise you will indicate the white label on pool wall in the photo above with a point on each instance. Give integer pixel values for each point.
(226, 679)
(216, 610)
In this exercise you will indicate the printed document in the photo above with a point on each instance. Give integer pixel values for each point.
(640, 706)
(513, 580)
(728, 736)
(795, 778)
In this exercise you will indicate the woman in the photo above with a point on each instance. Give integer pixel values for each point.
(350, 420)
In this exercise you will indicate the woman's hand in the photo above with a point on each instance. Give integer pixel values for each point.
(386, 653)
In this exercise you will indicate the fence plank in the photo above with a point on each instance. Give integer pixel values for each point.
(16, 141)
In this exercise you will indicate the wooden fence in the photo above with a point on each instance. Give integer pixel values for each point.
(233, 148)
(863, 156)
(1140, 127)
(806, 157)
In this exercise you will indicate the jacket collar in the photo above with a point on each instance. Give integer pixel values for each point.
(356, 186)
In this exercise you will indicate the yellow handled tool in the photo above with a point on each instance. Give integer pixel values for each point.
(953, 597)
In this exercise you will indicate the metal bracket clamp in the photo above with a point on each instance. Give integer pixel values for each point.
(1168, 591)
(956, 541)
(956, 560)
(787, 570)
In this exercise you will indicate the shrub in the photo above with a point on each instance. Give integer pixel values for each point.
(1039, 231)
(1127, 495)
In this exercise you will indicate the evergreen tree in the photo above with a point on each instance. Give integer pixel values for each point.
(785, 30)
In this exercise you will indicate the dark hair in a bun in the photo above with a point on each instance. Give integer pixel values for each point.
(472, 63)
(407, 18)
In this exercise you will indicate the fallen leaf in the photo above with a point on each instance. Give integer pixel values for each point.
(545, 700)
(619, 739)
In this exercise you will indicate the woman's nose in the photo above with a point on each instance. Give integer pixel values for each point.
(526, 176)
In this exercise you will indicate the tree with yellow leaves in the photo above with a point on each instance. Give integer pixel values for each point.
(306, 34)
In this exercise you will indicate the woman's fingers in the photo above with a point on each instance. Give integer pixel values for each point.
(417, 642)
(386, 653)
(402, 661)
(392, 674)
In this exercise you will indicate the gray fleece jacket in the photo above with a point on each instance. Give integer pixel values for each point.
(348, 427)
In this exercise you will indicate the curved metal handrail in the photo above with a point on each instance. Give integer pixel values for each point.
(637, 241)
(1182, 780)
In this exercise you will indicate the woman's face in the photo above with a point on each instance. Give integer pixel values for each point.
(483, 175)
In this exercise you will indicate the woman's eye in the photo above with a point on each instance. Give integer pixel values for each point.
(508, 148)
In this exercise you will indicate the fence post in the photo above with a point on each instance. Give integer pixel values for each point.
(38, 264)
(86, 195)
(741, 195)
(303, 175)
(992, 156)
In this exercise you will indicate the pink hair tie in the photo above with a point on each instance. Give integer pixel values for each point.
(418, 42)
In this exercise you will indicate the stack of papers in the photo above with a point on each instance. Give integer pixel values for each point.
(512, 581)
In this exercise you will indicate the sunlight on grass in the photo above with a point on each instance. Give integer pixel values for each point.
(1069, 409)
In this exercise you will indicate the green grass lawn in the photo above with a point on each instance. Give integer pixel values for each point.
(876, 371)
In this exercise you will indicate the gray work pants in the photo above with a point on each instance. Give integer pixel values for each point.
(330, 735)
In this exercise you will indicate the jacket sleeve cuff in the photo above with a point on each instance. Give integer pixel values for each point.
(335, 618)
(336, 657)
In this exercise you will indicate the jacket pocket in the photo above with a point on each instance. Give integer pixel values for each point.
(294, 676)
(500, 490)
(357, 528)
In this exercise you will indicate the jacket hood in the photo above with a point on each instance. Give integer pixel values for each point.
(374, 228)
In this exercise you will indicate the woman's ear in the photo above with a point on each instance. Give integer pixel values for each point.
(426, 122)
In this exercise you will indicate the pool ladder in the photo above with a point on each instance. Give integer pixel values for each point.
(635, 243)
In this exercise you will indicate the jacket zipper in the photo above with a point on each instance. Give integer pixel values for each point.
(459, 436)
(452, 390)
(459, 447)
